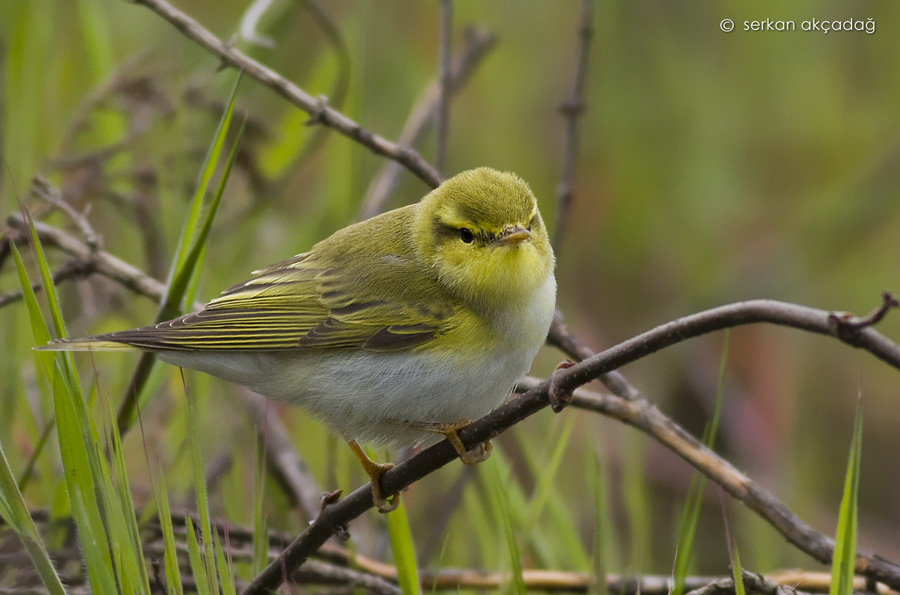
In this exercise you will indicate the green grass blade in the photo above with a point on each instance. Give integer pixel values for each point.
(844, 561)
(500, 504)
(82, 494)
(170, 556)
(737, 573)
(202, 496)
(187, 261)
(14, 511)
(546, 475)
(568, 549)
(39, 329)
(47, 281)
(188, 232)
(226, 569)
(403, 550)
(637, 508)
(129, 529)
(181, 281)
(198, 568)
(602, 555)
(66, 359)
(690, 517)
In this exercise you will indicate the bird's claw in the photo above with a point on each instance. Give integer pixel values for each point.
(477, 454)
(375, 471)
(559, 397)
(384, 505)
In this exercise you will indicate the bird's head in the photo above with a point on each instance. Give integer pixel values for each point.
(483, 235)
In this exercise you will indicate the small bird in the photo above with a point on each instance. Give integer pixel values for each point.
(398, 329)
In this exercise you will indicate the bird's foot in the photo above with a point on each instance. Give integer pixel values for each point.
(375, 471)
(559, 397)
(477, 454)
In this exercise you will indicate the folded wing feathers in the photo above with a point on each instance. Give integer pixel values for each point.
(290, 305)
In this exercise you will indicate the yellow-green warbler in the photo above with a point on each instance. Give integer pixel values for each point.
(398, 329)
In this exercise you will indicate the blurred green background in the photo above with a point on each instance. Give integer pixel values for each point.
(713, 167)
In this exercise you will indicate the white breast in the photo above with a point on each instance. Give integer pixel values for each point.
(373, 397)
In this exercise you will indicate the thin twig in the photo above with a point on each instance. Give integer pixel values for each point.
(571, 109)
(288, 467)
(317, 108)
(41, 188)
(446, 79)
(753, 583)
(476, 45)
(71, 269)
(103, 262)
(426, 462)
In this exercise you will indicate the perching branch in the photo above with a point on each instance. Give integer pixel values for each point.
(317, 108)
(565, 381)
(628, 406)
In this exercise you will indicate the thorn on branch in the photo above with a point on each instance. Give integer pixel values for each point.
(572, 107)
(846, 323)
(318, 114)
(560, 397)
(342, 532)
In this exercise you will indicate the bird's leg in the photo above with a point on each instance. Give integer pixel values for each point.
(375, 471)
(477, 454)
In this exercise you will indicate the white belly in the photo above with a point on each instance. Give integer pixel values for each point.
(374, 396)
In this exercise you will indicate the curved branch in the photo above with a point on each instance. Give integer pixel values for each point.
(315, 107)
(337, 515)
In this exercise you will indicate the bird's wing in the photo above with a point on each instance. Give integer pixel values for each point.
(301, 303)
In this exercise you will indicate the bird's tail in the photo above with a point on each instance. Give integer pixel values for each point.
(94, 343)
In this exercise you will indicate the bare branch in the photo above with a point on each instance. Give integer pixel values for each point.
(71, 269)
(571, 109)
(476, 45)
(445, 76)
(560, 337)
(288, 467)
(419, 466)
(644, 416)
(317, 108)
(41, 188)
(754, 583)
(103, 262)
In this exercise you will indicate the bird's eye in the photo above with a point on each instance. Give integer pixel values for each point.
(466, 235)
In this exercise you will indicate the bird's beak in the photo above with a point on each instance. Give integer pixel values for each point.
(513, 235)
